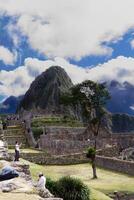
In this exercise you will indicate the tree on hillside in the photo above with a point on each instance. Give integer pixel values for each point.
(92, 97)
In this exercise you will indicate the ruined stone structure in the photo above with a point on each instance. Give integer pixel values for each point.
(63, 140)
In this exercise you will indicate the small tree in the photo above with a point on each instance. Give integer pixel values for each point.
(92, 97)
(91, 154)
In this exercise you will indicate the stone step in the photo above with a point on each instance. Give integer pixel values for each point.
(14, 127)
(14, 136)
(13, 132)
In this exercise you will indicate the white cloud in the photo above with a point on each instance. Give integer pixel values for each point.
(7, 56)
(120, 69)
(132, 44)
(16, 82)
(70, 29)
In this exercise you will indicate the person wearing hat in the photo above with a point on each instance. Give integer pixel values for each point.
(41, 181)
(41, 187)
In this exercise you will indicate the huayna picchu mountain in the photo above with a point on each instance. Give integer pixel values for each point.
(45, 91)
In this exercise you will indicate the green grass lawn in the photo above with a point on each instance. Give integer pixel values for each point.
(107, 181)
(28, 150)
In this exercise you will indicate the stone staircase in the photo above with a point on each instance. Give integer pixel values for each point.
(15, 133)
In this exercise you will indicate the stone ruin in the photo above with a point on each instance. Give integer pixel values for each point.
(127, 154)
(66, 140)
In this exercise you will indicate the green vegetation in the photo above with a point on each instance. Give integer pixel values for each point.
(91, 153)
(107, 181)
(55, 121)
(34, 151)
(68, 188)
(92, 97)
(37, 131)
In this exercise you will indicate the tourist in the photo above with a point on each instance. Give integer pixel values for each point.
(17, 151)
(41, 185)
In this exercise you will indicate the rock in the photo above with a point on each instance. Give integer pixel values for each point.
(8, 187)
(3, 150)
(45, 193)
(127, 154)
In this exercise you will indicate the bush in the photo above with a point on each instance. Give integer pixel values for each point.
(52, 186)
(37, 132)
(72, 189)
(68, 188)
(91, 153)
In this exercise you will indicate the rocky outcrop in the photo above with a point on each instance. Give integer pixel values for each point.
(128, 154)
(3, 150)
(22, 186)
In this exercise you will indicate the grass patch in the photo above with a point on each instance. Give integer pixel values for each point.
(26, 151)
(107, 182)
(56, 121)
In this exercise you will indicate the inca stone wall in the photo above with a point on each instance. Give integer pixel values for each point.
(122, 166)
(113, 151)
(63, 140)
(118, 165)
(123, 140)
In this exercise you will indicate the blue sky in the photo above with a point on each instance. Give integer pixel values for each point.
(76, 35)
(24, 50)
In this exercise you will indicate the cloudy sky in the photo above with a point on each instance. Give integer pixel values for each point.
(90, 39)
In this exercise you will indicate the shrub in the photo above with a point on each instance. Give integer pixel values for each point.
(91, 153)
(52, 186)
(72, 189)
(37, 132)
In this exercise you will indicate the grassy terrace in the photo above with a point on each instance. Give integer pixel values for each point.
(107, 182)
(58, 121)
(39, 122)
(25, 151)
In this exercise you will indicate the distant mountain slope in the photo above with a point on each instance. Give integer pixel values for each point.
(45, 91)
(122, 123)
(122, 98)
(10, 105)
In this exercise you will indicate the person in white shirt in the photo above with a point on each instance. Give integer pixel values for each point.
(41, 185)
(17, 151)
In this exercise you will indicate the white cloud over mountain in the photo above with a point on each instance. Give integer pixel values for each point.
(70, 29)
(7, 56)
(62, 29)
(16, 82)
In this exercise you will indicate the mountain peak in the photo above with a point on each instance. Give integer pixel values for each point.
(45, 91)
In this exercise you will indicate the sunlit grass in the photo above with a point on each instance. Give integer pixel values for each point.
(107, 181)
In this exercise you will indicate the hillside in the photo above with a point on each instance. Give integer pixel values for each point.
(44, 93)
(10, 105)
(122, 123)
(122, 98)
